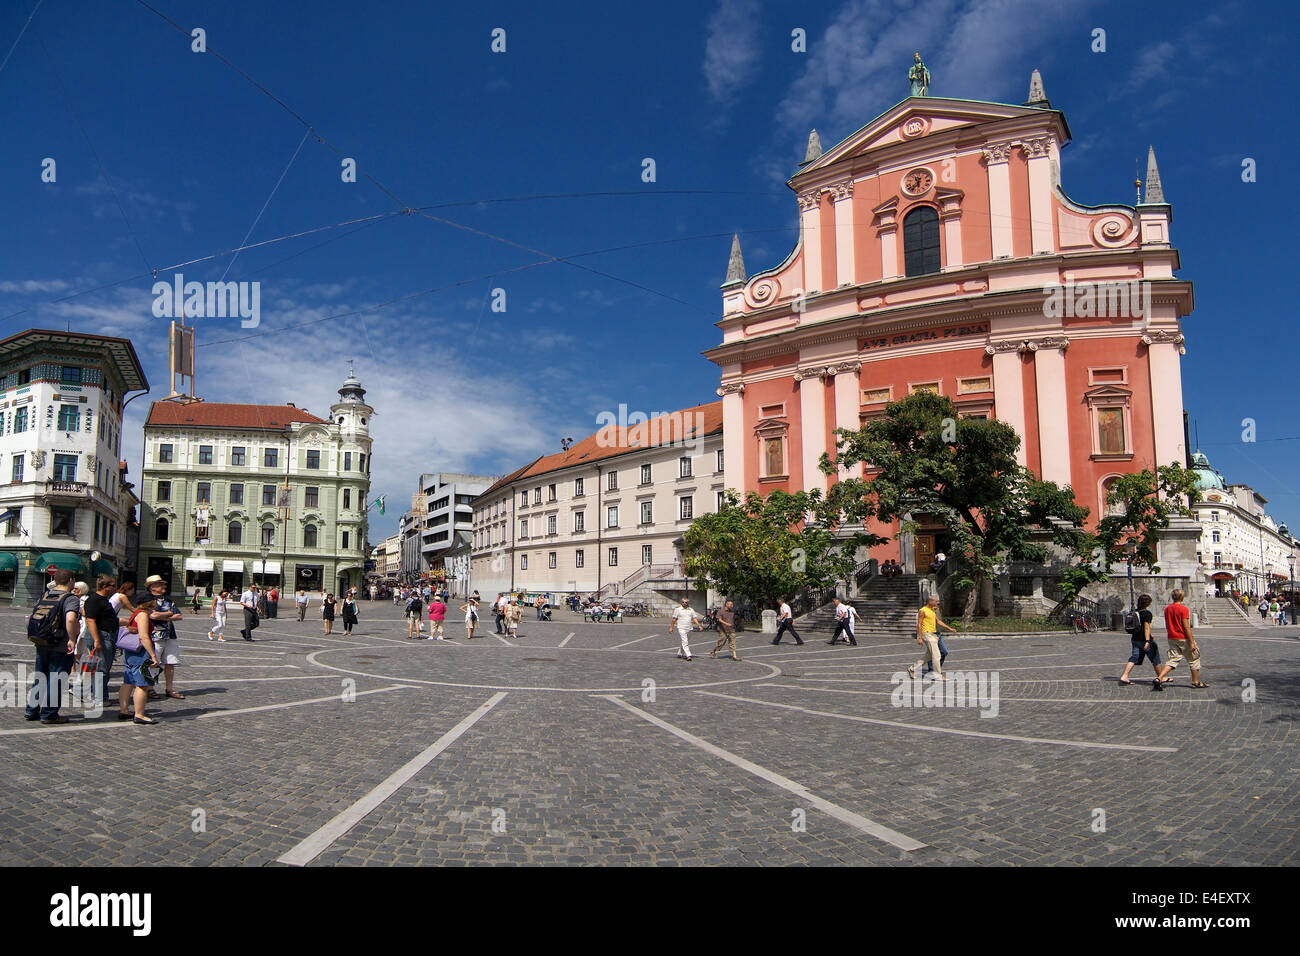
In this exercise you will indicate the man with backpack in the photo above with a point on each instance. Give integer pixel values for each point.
(52, 627)
(414, 608)
(1138, 625)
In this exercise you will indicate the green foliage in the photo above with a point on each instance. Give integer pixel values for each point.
(771, 547)
(963, 471)
(1143, 503)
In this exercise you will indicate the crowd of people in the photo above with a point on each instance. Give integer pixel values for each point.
(73, 627)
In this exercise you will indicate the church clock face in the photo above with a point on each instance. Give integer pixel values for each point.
(918, 181)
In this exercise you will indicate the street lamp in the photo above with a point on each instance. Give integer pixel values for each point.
(265, 554)
(1130, 551)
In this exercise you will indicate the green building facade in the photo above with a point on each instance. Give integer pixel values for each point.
(267, 494)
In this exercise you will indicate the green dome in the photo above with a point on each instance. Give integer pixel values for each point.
(1206, 477)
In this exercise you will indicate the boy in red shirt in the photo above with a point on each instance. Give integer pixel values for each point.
(1182, 642)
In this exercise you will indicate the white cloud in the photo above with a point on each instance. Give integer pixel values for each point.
(731, 53)
(35, 285)
(857, 68)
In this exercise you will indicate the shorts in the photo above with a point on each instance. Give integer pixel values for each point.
(1142, 650)
(169, 651)
(1178, 651)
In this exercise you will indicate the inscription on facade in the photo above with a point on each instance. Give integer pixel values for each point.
(926, 335)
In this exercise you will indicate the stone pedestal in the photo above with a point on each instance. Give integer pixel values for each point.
(769, 621)
(1178, 544)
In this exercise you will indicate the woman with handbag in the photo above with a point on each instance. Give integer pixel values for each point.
(134, 639)
(349, 612)
(327, 612)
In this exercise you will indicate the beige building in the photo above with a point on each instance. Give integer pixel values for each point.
(605, 515)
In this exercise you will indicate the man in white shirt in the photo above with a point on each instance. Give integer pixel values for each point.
(685, 620)
(249, 601)
(785, 622)
(844, 615)
(301, 600)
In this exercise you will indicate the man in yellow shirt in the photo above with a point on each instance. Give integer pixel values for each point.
(927, 635)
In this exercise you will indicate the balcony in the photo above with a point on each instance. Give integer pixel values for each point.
(67, 489)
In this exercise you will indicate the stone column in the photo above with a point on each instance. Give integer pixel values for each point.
(810, 225)
(1009, 390)
(1053, 414)
(996, 157)
(734, 439)
(1164, 351)
(847, 401)
(812, 423)
(842, 196)
(1039, 152)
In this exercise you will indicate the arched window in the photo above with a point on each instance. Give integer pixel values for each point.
(921, 241)
(236, 535)
(160, 529)
(268, 533)
(309, 536)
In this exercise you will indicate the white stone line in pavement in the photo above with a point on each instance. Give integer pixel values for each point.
(952, 670)
(250, 680)
(945, 730)
(859, 822)
(503, 640)
(977, 660)
(316, 844)
(567, 639)
(227, 667)
(1041, 700)
(336, 698)
(627, 643)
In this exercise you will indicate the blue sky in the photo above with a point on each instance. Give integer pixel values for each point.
(165, 155)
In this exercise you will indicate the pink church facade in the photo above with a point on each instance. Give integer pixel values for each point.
(939, 251)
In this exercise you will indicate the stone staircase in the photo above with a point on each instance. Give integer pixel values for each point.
(1225, 612)
(886, 608)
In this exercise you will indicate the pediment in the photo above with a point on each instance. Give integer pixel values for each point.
(1104, 392)
(915, 118)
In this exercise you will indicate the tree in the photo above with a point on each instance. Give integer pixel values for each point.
(1142, 504)
(771, 547)
(925, 459)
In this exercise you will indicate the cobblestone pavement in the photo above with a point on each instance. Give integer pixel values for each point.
(592, 744)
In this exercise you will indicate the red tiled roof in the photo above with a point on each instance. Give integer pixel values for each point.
(220, 415)
(608, 442)
(506, 479)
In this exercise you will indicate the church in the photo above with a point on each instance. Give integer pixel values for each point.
(939, 251)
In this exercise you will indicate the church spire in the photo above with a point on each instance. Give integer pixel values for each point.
(814, 148)
(736, 264)
(1155, 192)
(1037, 96)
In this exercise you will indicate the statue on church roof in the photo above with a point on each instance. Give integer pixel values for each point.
(919, 77)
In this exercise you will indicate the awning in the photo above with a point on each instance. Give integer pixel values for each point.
(271, 567)
(61, 559)
(8, 562)
(198, 564)
(229, 565)
(1224, 574)
(103, 566)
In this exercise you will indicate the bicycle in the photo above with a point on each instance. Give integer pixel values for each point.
(1083, 623)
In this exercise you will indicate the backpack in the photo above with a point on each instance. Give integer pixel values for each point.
(47, 626)
(1133, 623)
